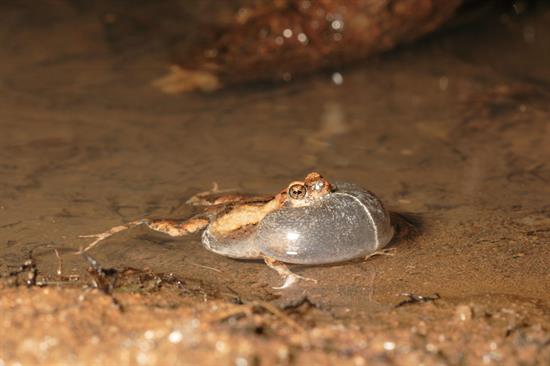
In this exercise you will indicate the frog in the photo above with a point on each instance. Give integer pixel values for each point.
(310, 222)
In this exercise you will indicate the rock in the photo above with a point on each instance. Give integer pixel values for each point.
(463, 313)
(278, 40)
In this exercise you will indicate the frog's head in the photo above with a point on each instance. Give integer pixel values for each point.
(313, 187)
(317, 186)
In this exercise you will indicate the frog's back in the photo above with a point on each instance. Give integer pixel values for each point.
(346, 224)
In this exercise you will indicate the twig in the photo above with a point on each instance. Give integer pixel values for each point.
(415, 299)
(206, 267)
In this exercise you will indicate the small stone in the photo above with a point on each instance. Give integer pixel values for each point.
(241, 361)
(463, 313)
(175, 336)
(337, 78)
(389, 346)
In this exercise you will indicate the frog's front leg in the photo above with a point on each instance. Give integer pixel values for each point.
(288, 276)
(170, 227)
(390, 252)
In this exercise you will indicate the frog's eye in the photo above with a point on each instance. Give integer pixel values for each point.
(297, 191)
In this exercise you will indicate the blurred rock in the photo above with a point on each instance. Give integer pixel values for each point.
(463, 313)
(279, 40)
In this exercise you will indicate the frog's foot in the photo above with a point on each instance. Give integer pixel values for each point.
(169, 227)
(201, 198)
(288, 276)
(104, 235)
(390, 252)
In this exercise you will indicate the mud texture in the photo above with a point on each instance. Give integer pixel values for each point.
(452, 132)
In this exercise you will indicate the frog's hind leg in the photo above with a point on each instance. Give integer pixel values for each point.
(174, 228)
(201, 198)
(169, 227)
(282, 269)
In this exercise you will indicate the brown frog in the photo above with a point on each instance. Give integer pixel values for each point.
(309, 222)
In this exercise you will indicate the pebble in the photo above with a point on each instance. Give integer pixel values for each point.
(463, 313)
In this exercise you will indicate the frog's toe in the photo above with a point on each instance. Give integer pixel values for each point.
(104, 235)
(390, 252)
(291, 279)
(283, 271)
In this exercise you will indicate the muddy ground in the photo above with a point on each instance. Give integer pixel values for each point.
(453, 130)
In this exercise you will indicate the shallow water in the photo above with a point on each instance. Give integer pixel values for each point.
(454, 129)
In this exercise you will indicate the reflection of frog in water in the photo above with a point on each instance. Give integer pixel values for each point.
(310, 222)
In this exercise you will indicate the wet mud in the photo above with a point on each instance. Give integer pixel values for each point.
(452, 133)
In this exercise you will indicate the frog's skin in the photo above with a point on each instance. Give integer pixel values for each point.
(248, 227)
